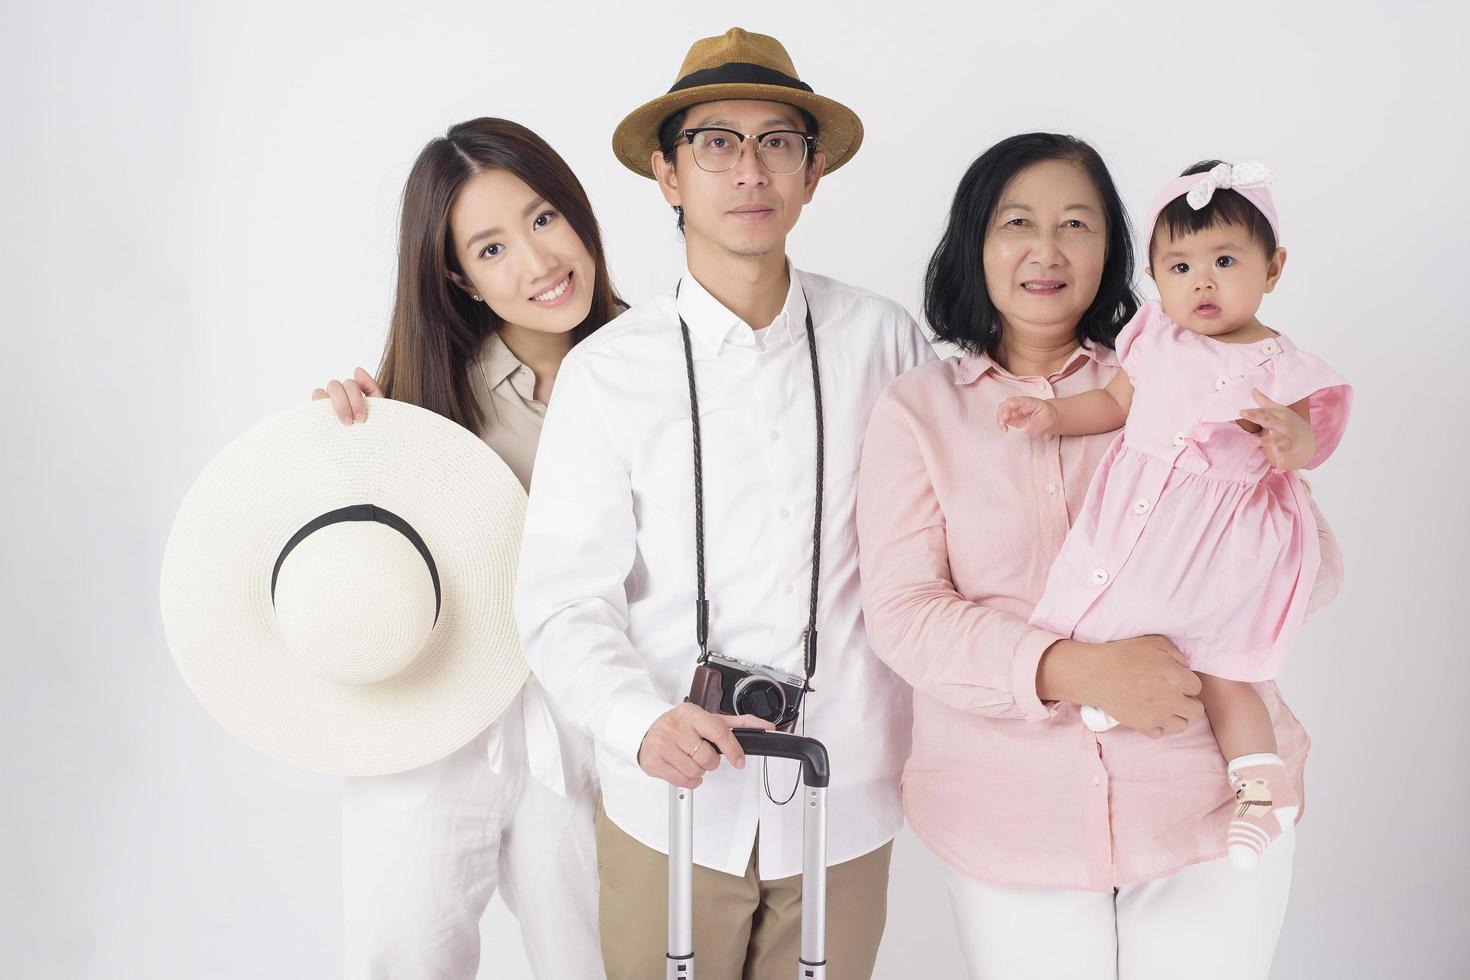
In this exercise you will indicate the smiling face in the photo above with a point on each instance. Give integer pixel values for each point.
(520, 254)
(1045, 249)
(1211, 281)
(746, 210)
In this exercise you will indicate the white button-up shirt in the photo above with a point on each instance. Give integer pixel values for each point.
(606, 589)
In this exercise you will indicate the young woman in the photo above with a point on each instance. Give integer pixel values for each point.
(500, 271)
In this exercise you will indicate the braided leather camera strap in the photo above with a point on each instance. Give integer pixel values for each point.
(809, 638)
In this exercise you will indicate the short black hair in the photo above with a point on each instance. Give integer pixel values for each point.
(1226, 207)
(957, 302)
(671, 134)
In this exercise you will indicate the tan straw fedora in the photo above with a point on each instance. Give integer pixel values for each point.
(340, 597)
(737, 65)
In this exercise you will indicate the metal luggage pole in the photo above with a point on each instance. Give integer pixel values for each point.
(681, 883)
(815, 777)
(814, 884)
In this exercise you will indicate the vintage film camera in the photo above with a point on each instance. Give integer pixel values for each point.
(727, 686)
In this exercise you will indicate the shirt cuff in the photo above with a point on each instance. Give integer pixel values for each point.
(1023, 674)
(628, 721)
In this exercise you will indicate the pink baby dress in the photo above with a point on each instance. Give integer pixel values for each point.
(1187, 530)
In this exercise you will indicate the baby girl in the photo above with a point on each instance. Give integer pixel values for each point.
(1196, 525)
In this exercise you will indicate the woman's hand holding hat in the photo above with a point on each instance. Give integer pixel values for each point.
(349, 397)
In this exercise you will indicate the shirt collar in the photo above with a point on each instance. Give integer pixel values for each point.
(502, 366)
(973, 366)
(497, 361)
(711, 324)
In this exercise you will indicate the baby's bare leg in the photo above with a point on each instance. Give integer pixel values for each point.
(1238, 715)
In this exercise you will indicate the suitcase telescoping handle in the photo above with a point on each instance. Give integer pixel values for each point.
(814, 776)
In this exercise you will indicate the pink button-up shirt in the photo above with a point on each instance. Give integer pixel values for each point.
(958, 524)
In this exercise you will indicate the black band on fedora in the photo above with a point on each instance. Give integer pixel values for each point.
(361, 512)
(741, 73)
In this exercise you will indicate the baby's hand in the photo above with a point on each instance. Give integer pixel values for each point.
(1286, 437)
(1026, 413)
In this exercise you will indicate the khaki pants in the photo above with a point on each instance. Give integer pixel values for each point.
(744, 928)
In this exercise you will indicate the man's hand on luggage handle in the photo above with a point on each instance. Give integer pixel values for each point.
(679, 747)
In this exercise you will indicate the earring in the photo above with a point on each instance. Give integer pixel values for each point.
(476, 296)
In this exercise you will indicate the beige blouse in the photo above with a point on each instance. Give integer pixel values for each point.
(505, 390)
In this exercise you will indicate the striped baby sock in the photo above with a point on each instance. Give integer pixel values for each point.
(1264, 806)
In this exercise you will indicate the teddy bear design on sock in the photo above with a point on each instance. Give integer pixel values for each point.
(1264, 807)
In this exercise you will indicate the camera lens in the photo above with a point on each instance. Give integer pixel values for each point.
(759, 696)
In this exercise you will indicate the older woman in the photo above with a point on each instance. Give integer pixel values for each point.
(1068, 854)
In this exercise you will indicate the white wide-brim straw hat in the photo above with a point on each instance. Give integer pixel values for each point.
(340, 597)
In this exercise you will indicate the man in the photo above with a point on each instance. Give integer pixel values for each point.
(610, 571)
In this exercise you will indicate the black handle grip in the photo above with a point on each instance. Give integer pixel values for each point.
(808, 751)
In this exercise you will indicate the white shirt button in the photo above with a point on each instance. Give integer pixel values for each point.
(1179, 439)
(1097, 780)
(1046, 437)
(786, 588)
(1270, 347)
(775, 436)
(1099, 576)
(760, 360)
(1221, 383)
(782, 513)
(1051, 488)
(1140, 506)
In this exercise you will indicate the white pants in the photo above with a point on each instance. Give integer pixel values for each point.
(1208, 921)
(424, 850)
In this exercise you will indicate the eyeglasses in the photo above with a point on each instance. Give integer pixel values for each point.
(781, 151)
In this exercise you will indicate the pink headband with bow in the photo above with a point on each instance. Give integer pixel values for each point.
(1249, 180)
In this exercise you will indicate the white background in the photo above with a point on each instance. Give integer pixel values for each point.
(197, 213)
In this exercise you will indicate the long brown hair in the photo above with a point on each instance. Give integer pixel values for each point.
(437, 331)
